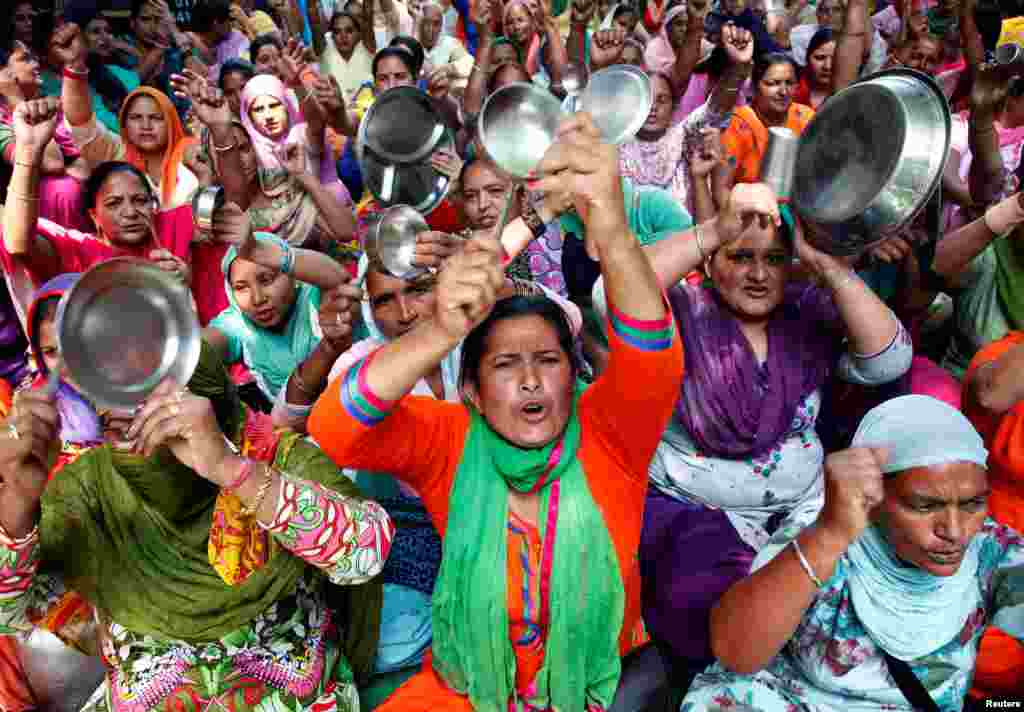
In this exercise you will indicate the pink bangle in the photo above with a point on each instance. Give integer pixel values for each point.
(243, 474)
(1004, 216)
(73, 74)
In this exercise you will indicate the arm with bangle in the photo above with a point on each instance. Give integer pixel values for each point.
(955, 251)
(853, 43)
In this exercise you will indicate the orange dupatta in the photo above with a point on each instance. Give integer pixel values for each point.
(177, 141)
(746, 139)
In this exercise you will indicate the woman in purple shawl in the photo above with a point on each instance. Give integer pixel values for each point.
(741, 458)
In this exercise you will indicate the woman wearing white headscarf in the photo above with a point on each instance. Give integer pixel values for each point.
(883, 598)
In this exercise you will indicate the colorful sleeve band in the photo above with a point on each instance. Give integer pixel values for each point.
(646, 335)
(357, 398)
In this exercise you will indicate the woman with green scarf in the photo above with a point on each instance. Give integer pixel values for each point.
(538, 595)
(206, 545)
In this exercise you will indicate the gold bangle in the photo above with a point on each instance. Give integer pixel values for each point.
(26, 164)
(261, 494)
(700, 242)
(224, 149)
(19, 196)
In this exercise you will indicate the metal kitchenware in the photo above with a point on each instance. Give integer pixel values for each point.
(779, 161)
(61, 678)
(574, 81)
(619, 99)
(125, 326)
(869, 161)
(1009, 53)
(417, 184)
(518, 124)
(205, 203)
(392, 241)
(401, 126)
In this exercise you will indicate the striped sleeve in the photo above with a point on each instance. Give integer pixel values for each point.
(646, 335)
(358, 400)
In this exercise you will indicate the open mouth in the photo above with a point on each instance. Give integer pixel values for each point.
(756, 292)
(534, 411)
(946, 558)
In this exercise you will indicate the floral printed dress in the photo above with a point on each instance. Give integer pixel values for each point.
(831, 664)
(287, 660)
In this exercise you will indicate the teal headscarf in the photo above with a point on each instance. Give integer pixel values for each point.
(652, 212)
(271, 355)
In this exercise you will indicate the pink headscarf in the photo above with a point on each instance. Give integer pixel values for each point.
(532, 52)
(270, 169)
(659, 55)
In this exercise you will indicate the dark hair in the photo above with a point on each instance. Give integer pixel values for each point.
(95, 182)
(262, 41)
(412, 44)
(492, 81)
(42, 28)
(235, 66)
(622, 9)
(207, 12)
(400, 53)
(46, 310)
(767, 61)
(345, 13)
(821, 37)
(475, 344)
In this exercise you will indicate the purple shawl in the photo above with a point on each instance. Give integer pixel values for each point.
(731, 405)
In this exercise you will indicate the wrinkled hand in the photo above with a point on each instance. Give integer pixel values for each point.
(232, 225)
(9, 89)
(893, 250)
(169, 262)
(708, 154)
(829, 270)
(853, 488)
(434, 248)
(68, 46)
(747, 202)
(35, 123)
(327, 94)
(468, 286)
(339, 312)
(292, 158)
(581, 164)
(196, 160)
(24, 461)
(291, 63)
(208, 102)
(439, 83)
(738, 43)
(606, 48)
(447, 163)
(185, 423)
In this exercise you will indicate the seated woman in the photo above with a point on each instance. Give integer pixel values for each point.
(153, 138)
(117, 198)
(741, 458)
(535, 452)
(992, 400)
(60, 184)
(229, 600)
(746, 139)
(885, 594)
(348, 53)
(274, 290)
(816, 78)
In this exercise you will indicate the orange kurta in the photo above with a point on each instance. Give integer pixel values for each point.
(421, 441)
(746, 139)
(1000, 668)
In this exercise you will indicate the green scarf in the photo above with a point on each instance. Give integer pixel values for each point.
(1010, 277)
(471, 647)
(130, 535)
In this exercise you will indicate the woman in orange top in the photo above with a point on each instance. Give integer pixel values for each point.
(994, 401)
(775, 81)
(524, 619)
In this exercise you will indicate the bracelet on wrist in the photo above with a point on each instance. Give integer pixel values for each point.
(72, 73)
(244, 472)
(806, 565)
(287, 259)
(261, 494)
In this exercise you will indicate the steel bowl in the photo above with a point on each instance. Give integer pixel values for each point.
(205, 204)
(575, 78)
(1008, 53)
(392, 241)
(870, 159)
(401, 126)
(779, 161)
(419, 185)
(619, 100)
(124, 327)
(517, 125)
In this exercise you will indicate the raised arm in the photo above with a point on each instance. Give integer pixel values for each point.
(739, 46)
(995, 385)
(69, 47)
(854, 40)
(987, 173)
(476, 87)
(955, 251)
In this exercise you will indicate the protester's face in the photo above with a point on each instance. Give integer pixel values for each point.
(147, 24)
(504, 53)
(734, 7)
(392, 72)
(270, 116)
(266, 59)
(930, 514)
(49, 347)
(24, 16)
(99, 38)
(346, 34)
(25, 67)
(124, 209)
(525, 382)
(145, 125)
(774, 93)
(279, 6)
(246, 154)
(398, 304)
(519, 25)
(631, 54)
(820, 62)
(264, 294)
(483, 196)
(918, 24)
(234, 82)
(431, 21)
(626, 20)
(923, 55)
(661, 109)
(603, 8)
(509, 74)
(677, 30)
(751, 272)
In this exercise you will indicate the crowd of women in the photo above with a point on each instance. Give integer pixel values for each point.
(666, 453)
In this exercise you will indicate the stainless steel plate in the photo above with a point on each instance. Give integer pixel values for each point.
(125, 326)
(392, 242)
(619, 99)
(518, 124)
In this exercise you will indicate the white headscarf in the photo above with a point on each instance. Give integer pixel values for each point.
(907, 611)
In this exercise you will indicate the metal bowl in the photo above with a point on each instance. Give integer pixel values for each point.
(518, 124)
(205, 204)
(392, 241)
(575, 78)
(417, 184)
(619, 100)
(401, 126)
(870, 159)
(126, 326)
